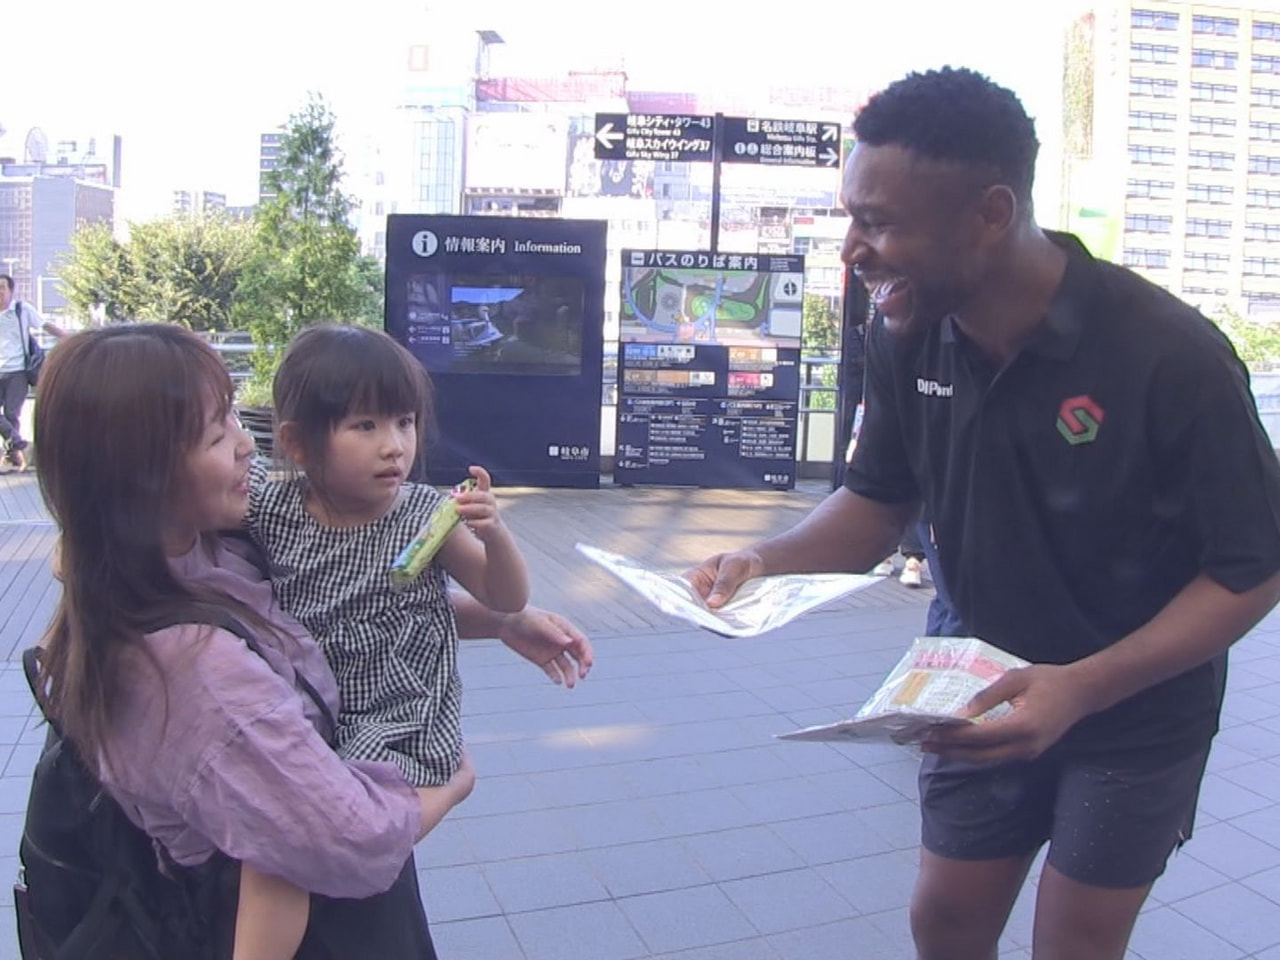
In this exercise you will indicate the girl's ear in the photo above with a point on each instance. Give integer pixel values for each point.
(289, 437)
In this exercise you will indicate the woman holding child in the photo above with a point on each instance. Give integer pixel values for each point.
(216, 750)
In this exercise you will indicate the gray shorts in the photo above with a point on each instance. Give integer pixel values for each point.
(1110, 821)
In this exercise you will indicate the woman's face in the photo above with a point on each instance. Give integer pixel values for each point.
(216, 494)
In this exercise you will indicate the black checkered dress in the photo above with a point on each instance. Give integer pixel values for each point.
(395, 654)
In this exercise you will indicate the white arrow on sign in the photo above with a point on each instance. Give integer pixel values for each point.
(609, 137)
(830, 158)
(830, 131)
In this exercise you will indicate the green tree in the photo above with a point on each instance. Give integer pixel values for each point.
(821, 324)
(1257, 342)
(187, 269)
(178, 270)
(306, 267)
(97, 270)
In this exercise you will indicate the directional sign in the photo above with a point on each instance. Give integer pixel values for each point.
(791, 143)
(675, 137)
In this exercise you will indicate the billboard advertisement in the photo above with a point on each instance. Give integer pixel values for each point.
(516, 152)
(506, 315)
(589, 177)
(709, 369)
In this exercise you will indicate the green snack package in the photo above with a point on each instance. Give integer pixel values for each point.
(415, 558)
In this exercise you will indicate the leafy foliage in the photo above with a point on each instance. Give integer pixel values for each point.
(306, 266)
(821, 324)
(1257, 342)
(297, 262)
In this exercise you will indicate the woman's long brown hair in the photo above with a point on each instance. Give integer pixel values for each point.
(118, 410)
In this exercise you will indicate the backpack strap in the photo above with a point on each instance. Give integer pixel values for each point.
(212, 617)
(225, 621)
(22, 335)
(31, 667)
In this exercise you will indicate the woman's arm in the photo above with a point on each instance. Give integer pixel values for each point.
(234, 756)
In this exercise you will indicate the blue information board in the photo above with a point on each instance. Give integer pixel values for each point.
(507, 316)
(709, 369)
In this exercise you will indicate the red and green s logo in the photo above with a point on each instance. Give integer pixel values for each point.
(1079, 419)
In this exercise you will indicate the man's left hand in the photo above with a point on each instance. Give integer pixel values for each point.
(551, 642)
(1046, 703)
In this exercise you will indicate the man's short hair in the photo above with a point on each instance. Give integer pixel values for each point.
(956, 115)
(8, 282)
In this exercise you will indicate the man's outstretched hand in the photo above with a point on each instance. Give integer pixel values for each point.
(718, 578)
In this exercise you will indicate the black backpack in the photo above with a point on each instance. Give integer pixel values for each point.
(91, 884)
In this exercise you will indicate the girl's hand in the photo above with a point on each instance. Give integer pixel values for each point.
(549, 641)
(478, 507)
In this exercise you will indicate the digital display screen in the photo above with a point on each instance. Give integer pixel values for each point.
(496, 324)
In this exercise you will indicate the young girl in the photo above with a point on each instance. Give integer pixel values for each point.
(351, 405)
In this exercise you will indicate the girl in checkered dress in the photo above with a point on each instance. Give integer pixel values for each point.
(351, 405)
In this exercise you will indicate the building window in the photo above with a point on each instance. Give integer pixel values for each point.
(1264, 198)
(1219, 229)
(1261, 267)
(1214, 59)
(1266, 30)
(1210, 160)
(1265, 97)
(1145, 120)
(1154, 156)
(1153, 87)
(1263, 64)
(1153, 20)
(1215, 26)
(1206, 92)
(1153, 53)
(1209, 193)
(1264, 164)
(1148, 223)
(1207, 262)
(1259, 130)
(1262, 231)
(1150, 189)
(1213, 126)
(1204, 291)
(1143, 257)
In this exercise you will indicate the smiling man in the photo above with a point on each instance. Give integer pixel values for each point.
(1065, 414)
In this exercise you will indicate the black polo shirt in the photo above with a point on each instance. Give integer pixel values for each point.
(1076, 490)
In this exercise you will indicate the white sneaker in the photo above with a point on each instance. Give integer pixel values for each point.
(884, 568)
(911, 573)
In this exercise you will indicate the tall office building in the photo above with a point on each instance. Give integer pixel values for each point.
(49, 188)
(38, 215)
(1172, 145)
(194, 203)
(268, 160)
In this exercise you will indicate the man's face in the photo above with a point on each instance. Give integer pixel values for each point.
(6, 294)
(915, 235)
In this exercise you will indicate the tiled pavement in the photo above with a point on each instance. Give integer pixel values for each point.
(650, 813)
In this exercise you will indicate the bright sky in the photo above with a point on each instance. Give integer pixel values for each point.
(190, 87)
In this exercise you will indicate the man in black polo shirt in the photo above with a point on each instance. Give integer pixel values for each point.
(1105, 503)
